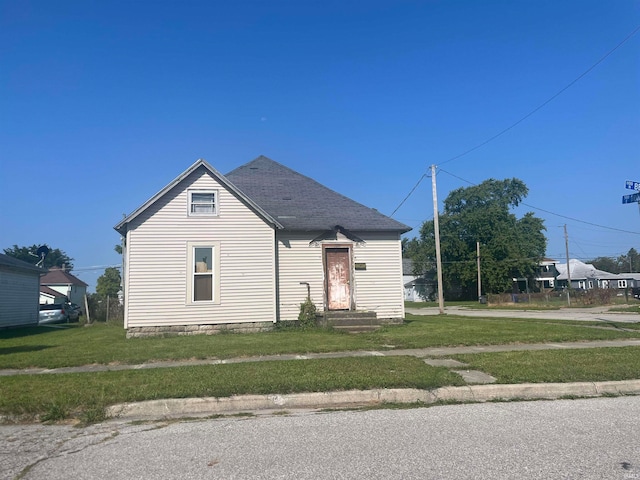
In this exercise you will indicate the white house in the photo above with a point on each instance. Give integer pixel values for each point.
(19, 289)
(243, 250)
(65, 284)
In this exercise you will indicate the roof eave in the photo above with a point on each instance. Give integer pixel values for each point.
(121, 227)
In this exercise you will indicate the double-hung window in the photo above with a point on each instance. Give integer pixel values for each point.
(203, 202)
(204, 273)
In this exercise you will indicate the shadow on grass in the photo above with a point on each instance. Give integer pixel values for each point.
(31, 331)
(23, 349)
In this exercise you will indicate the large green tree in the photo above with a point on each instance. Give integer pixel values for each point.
(510, 247)
(55, 257)
(109, 282)
(622, 264)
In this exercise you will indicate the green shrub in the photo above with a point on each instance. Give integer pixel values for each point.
(307, 316)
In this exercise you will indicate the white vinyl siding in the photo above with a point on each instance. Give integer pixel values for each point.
(19, 295)
(379, 288)
(158, 265)
(298, 262)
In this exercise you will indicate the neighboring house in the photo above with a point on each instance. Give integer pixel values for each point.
(49, 295)
(417, 288)
(243, 250)
(19, 285)
(585, 276)
(64, 283)
(546, 274)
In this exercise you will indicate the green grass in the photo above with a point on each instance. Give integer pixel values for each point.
(635, 308)
(106, 344)
(55, 397)
(551, 366)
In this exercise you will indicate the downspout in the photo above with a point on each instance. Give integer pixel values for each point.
(276, 267)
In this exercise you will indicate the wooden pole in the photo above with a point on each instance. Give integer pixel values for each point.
(479, 277)
(436, 228)
(566, 246)
(86, 308)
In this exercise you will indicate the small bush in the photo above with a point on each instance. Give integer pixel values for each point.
(307, 316)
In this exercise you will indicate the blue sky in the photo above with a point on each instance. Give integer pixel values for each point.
(102, 103)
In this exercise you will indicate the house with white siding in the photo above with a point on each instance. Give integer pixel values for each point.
(19, 291)
(244, 250)
(62, 285)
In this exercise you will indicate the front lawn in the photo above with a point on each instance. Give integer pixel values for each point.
(82, 395)
(48, 347)
(551, 366)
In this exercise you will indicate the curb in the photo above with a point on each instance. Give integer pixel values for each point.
(168, 408)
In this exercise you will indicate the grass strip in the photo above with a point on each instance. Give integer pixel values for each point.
(558, 366)
(106, 343)
(64, 395)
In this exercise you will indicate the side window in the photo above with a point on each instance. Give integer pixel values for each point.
(622, 284)
(203, 202)
(203, 272)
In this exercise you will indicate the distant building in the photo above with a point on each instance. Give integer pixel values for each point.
(585, 276)
(19, 285)
(65, 284)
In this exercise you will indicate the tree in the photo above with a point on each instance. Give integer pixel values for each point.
(109, 282)
(623, 264)
(509, 247)
(55, 258)
(606, 264)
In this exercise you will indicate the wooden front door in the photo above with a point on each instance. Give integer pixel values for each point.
(338, 278)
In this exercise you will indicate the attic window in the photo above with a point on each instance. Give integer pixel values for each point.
(203, 202)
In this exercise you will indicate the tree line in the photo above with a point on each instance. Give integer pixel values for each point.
(481, 218)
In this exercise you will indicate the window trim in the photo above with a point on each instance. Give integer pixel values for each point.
(191, 272)
(190, 202)
(622, 284)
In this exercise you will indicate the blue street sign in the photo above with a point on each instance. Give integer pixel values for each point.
(632, 185)
(633, 198)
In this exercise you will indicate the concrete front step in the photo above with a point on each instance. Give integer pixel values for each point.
(352, 321)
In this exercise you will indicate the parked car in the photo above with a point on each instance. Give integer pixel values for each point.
(75, 312)
(53, 313)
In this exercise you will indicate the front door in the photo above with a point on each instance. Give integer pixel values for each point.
(338, 278)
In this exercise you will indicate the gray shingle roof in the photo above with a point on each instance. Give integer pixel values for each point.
(8, 261)
(56, 276)
(300, 203)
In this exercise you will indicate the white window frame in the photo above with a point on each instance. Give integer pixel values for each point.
(191, 203)
(582, 284)
(622, 284)
(192, 272)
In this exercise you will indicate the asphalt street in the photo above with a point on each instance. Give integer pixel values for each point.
(586, 439)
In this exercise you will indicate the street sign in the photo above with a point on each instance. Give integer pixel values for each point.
(632, 185)
(633, 198)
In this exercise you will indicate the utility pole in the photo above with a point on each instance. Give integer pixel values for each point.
(436, 230)
(566, 246)
(479, 277)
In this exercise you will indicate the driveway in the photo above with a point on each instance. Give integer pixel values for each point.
(592, 314)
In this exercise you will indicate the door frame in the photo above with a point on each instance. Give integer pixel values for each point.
(340, 246)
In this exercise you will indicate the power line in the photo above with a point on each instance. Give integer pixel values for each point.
(550, 212)
(549, 100)
(522, 119)
(409, 194)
